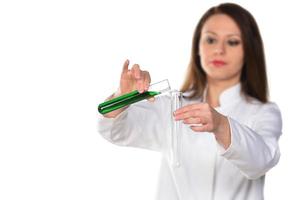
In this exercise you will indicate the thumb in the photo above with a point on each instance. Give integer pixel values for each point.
(151, 99)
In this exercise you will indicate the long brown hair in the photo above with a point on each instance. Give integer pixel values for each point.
(253, 77)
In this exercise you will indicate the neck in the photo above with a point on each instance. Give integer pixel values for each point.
(214, 90)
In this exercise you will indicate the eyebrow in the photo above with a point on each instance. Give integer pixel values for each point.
(233, 34)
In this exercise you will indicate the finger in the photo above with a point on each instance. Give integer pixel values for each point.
(193, 120)
(203, 128)
(136, 71)
(187, 108)
(194, 106)
(139, 83)
(129, 73)
(144, 80)
(147, 80)
(188, 114)
(151, 99)
(202, 117)
(125, 66)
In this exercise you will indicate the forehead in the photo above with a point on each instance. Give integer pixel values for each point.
(221, 24)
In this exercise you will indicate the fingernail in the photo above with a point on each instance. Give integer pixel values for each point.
(152, 99)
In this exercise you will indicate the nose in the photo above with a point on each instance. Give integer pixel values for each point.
(219, 49)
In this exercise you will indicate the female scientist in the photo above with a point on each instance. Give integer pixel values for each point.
(230, 130)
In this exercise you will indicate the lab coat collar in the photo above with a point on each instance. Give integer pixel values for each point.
(229, 96)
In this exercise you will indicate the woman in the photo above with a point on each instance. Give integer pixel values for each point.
(231, 131)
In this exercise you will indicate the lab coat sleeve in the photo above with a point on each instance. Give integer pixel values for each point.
(141, 125)
(254, 150)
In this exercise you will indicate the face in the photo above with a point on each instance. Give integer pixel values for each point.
(221, 49)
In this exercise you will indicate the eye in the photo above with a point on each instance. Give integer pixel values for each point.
(233, 42)
(210, 40)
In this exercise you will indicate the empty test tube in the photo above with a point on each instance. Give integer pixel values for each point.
(176, 135)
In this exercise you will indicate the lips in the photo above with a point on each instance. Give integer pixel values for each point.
(218, 63)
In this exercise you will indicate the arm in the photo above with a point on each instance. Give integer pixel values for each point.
(140, 125)
(255, 150)
(252, 150)
(137, 125)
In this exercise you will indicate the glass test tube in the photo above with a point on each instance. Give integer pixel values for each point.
(133, 97)
(176, 135)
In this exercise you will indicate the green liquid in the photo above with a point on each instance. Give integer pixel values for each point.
(124, 100)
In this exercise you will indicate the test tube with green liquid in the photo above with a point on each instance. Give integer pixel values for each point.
(133, 97)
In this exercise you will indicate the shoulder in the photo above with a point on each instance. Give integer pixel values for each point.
(250, 111)
(259, 107)
(262, 112)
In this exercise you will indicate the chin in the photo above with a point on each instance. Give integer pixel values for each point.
(221, 77)
(218, 76)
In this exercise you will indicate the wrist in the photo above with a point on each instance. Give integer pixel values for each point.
(222, 133)
(115, 113)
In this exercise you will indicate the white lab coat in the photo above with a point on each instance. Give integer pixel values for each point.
(207, 170)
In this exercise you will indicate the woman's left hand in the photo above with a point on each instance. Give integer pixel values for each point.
(203, 118)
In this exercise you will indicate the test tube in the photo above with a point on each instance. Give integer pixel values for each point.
(133, 97)
(176, 135)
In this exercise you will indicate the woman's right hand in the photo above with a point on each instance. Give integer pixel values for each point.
(131, 79)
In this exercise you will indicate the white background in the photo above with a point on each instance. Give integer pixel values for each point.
(60, 58)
